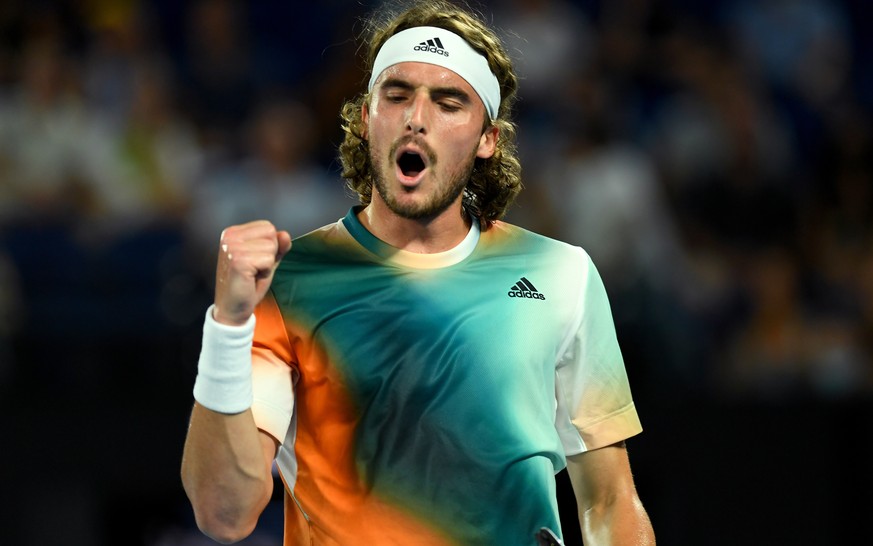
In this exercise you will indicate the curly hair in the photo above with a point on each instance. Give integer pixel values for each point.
(495, 181)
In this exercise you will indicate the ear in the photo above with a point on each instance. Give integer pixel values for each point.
(365, 120)
(488, 142)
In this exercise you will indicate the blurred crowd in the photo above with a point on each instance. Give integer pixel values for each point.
(714, 159)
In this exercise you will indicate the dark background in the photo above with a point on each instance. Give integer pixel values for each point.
(714, 159)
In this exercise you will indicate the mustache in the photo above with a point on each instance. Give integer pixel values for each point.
(420, 144)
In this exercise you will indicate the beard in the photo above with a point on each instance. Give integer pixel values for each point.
(443, 196)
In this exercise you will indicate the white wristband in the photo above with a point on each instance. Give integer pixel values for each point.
(224, 372)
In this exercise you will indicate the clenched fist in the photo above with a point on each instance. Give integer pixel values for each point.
(248, 257)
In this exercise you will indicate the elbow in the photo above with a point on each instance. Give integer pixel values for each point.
(222, 527)
(225, 510)
(220, 515)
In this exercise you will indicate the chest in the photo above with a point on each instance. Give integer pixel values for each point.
(495, 327)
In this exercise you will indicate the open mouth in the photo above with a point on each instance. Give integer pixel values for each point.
(411, 164)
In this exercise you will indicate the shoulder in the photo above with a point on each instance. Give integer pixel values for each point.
(507, 237)
(318, 244)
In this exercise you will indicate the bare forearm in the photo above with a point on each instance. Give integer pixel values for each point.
(622, 524)
(226, 473)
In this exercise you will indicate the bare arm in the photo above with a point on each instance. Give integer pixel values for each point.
(226, 463)
(610, 511)
(226, 472)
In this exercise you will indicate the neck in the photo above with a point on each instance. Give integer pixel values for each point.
(423, 236)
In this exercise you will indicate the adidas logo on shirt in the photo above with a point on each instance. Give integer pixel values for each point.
(433, 45)
(525, 289)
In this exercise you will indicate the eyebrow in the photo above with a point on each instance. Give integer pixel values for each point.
(435, 92)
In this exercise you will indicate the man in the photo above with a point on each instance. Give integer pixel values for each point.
(420, 370)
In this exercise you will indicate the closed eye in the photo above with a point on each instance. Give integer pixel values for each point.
(450, 99)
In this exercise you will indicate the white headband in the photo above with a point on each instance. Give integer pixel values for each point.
(441, 47)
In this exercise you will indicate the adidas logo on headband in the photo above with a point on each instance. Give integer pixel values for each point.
(434, 45)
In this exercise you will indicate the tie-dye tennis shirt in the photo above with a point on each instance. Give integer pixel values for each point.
(431, 398)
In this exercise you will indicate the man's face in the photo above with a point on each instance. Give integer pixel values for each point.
(424, 127)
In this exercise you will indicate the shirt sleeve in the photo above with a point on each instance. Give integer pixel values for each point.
(274, 374)
(594, 403)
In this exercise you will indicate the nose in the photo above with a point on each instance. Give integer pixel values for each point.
(417, 115)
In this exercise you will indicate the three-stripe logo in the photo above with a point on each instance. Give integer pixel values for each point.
(434, 45)
(525, 289)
